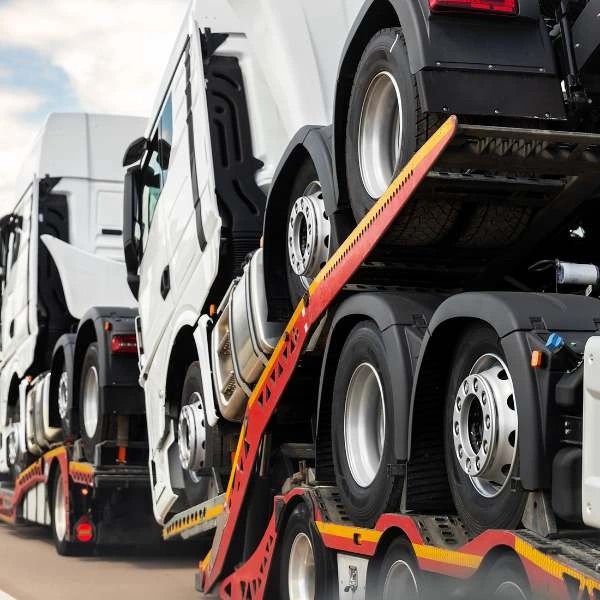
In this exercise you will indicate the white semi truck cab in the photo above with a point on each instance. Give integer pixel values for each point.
(61, 254)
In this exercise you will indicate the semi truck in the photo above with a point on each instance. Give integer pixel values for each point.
(362, 321)
(73, 450)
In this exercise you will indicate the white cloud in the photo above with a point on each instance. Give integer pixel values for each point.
(17, 133)
(113, 52)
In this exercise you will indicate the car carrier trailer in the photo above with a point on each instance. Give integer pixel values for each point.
(306, 536)
(87, 505)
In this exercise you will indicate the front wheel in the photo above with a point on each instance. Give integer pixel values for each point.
(482, 434)
(199, 443)
(308, 232)
(362, 427)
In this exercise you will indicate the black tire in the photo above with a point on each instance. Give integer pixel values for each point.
(478, 512)
(505, 580)
(63, 547)
(104, 423)
(364, 503)
(197, 487)
(305, 175)
(428, 220)
(399, 558)
(300, 523)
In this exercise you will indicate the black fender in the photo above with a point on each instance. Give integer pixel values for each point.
(402, 319)
(450, 55)
(312, 142)
(523, 322)
(119, 373)
(63, 354)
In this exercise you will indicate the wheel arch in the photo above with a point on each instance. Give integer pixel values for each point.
(310, 143)
(182, 354)
(515, 317)
(400, 318)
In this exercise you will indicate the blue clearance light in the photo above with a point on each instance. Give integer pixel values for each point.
(555, 342)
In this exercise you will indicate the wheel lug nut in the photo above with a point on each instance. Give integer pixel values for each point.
(458, 403)
(477, 463)
(466, 387)
(488, 422)
(475, 384)
(468, 464)
(483, 398)
(486, 447)
(456, 427)
(460, 452)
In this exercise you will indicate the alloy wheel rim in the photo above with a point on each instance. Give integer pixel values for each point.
(191, 436)
(400, 582)
(309, 231)
(91, 393)
(63, 395)
(485, 425)
(301, 571)
(364, 424)
(60, 510)
(380, 134)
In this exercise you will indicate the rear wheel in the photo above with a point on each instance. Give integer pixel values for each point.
(306, 566)
(506, 580)
(385, 127)
(482, 434)
(95, 425)
(60, 518)
(362, 427)
(308, 232)
(199, 443)
(398, 575)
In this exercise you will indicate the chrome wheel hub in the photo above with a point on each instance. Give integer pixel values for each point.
(308, 234)
(400, 582)
(192, 434)
(60, 510)
(485, 426)
(380, 134)
(364, 424)
(91, 400)
(301, 573)
(63, 395)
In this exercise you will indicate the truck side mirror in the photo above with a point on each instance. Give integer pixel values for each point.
(132, 228)
(135, 151)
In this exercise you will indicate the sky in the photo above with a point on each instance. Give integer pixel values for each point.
(77, 55)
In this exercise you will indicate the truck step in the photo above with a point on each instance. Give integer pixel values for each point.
(196, 520)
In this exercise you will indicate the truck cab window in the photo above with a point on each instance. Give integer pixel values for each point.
(156, 168)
